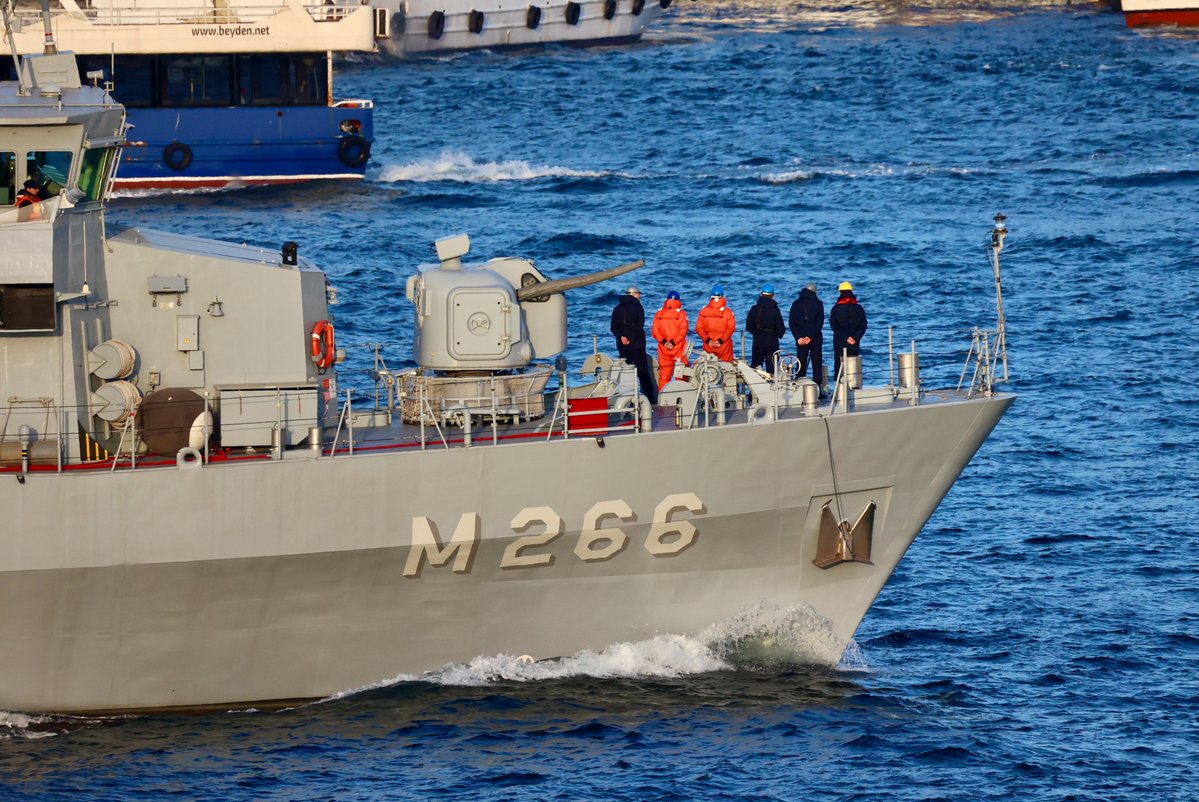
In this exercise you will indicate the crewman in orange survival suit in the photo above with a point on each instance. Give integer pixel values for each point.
(671, 328)
(716, 325)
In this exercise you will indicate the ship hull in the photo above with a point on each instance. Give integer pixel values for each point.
(295, 579)
(505, 24)
(1144, 13)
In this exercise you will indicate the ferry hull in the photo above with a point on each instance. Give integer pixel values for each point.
(255, 582)
(192, 148)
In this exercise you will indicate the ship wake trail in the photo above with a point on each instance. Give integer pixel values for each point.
(763, 637)
(461, 167)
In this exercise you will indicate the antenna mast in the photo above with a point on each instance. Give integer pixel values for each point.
(998, 235)
(7, 8)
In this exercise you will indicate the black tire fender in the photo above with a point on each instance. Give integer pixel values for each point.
(177, 156)
(638, 7)
(475, 21)
(436, 24)
(572, 12)
(609, 9)
(665, 3)
(533, 18)
(353, 151)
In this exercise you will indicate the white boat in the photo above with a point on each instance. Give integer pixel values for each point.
(423, 27)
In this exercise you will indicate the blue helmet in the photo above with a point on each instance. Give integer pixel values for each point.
(768, 289)
(673, 295)
(718, 290)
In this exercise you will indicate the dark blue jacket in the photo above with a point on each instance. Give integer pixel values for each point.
(765, 321)
(847, 320)
(628, 320)
(807, 316)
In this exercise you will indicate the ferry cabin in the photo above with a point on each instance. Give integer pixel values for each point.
(244, 97)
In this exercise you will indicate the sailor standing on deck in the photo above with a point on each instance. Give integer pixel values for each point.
(628, 326)
(716, 325)
(848, 322)
(671, 327)
(807, 327)
(765, 323)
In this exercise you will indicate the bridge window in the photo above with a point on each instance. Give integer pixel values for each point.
(51, 169)
(93, 173)
(8, 178)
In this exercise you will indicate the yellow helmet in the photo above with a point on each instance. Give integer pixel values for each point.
(845, 285)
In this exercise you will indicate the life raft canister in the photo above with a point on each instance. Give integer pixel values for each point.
(324, 345)
(353, 150)
(177, 156)
(436, 24)
(533, 18)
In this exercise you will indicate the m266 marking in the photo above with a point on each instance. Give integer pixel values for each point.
(666, 537)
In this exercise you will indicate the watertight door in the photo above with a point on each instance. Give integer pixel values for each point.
(481, 323)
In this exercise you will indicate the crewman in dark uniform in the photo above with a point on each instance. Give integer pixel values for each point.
(765, 323)
(807, 327)
(848, 322)
(628, 326)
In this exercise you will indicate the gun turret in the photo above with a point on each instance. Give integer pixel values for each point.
(495, 315)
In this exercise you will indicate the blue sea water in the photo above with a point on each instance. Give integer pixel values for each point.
(1040, 641)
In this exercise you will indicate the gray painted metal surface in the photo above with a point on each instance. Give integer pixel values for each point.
(133, 580)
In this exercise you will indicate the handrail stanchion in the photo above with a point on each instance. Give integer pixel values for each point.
(891, 351)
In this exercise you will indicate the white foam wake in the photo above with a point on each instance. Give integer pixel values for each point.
(762, 637)
(458, 166)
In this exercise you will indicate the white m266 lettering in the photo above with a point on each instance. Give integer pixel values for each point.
(666, 537)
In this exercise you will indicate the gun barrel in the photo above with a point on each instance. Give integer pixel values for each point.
(544, 288)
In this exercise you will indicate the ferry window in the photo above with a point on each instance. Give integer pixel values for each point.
(8, 178)
(132, 80)
(261, 80)
(310, 87)
(93, 173)
(50, 168)
(198, 80)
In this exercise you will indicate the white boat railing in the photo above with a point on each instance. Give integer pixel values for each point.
(190, 12)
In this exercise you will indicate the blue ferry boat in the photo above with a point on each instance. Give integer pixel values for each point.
(220, 93)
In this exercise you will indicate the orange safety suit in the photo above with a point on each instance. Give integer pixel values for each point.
(715, 326)
(671, 328)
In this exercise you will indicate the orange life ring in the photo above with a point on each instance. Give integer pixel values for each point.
(324, 345)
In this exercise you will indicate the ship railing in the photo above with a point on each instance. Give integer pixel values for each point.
(221, 12)
(982, 362)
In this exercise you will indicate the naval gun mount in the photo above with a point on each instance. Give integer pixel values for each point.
(479, 328)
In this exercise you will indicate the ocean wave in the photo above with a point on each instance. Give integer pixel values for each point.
(461, 167)
(763, 637)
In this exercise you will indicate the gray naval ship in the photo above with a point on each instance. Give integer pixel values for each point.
(193, 516)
